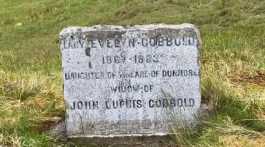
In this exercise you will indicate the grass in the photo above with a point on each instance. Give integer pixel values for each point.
(232, 57)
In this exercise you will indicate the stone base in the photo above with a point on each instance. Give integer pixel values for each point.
(59, 133)
(141, 141)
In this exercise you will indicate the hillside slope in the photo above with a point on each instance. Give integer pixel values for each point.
(232, 57)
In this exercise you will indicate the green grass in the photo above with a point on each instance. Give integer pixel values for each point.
(233, 34)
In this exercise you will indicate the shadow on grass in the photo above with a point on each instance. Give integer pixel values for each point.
(227, 104)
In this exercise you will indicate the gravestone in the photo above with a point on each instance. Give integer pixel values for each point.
(142, 80)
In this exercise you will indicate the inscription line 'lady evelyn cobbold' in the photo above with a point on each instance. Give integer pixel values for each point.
(73, 42)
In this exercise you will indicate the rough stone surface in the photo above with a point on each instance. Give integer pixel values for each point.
(139, 141)
(130, 81)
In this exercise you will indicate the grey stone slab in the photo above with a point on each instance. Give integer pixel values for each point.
(142, 80)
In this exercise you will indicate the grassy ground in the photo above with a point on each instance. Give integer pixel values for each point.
(232, 57)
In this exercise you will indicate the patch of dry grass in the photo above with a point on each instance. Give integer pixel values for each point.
(28, 102)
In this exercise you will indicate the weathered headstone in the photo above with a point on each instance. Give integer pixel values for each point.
(130, 81)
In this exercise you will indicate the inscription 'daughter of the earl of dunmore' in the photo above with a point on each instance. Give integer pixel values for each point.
(130, 81)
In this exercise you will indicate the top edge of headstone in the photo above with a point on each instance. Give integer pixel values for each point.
(72, 29)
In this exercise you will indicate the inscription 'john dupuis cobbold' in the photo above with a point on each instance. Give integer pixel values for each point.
(133, 75)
